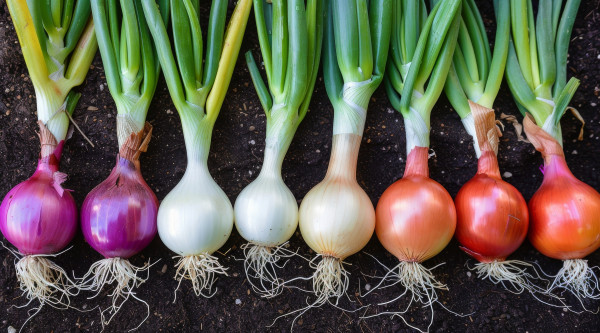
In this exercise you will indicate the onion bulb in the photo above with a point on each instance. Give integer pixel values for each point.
(565, 217)
(194, 220)
(492, 214)
(416, 217)
(118, 220)
(39, 218)
(337, 218)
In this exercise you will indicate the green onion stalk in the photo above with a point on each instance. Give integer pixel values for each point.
(118, 217)
(196, 218)
(39, 216)
(416, 217)
(337, 218)
(486, 202)
(266, 212)
(536, 72)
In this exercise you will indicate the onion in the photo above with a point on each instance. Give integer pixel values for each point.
(416, 217)
(39, 218)
(196, 218)
(337, 218)
(118, 219)
(415, 205)
(492, 214)
(565, 217)
(266, 211)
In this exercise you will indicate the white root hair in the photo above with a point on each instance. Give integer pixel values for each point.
(419, 283)
(513, 276)
(124, 275)
(202, 270)
(330, 280)
(578, 278)
(261, 263)
(42, 280)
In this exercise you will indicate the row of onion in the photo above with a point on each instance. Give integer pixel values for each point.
(421, 54)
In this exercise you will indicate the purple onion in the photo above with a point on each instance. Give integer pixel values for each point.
(118, 217)
(38, 216)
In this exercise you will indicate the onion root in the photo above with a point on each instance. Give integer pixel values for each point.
(42, 280)
(115, 271)
(577, 277)
(201, 269)
(261, 263)
(418, 281)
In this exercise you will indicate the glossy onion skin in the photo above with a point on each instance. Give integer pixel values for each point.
(34, 216)
(196, 217)
(492, 214)
(565, 214)
(118, 217)
(416, 217)
(336, 216)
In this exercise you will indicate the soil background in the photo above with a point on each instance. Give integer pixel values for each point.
(235, 159)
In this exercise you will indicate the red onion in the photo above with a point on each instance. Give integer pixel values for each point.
(118, 217)
(39, 218)
(565, 217)
(492, 214)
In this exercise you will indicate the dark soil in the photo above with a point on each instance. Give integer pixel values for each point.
(235, 159)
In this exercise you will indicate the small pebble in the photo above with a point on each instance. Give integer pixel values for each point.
(238, 301)
(92, 108)
(507, 174)
(251, 128)
(12, 329)
(469, 274)
(593, 104)
(574, 152)
(367, 287)
(164, 269)
(252, 142)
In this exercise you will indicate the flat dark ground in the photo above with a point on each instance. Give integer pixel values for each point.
(235, 159)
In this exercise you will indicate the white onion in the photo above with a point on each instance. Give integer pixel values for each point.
(196, 217)
(266, 212)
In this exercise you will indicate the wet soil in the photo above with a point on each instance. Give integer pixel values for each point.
(235, 159)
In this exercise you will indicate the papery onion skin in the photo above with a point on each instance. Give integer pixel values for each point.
(416, 217)
(34, 216)
(565, 213)
(492, 214)
(118, 217)
(337, 217)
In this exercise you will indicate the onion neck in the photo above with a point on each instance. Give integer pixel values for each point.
(417, 162)
(488, 164)
(555, 166)
(197, 133)
(127, 168)
(281, 126)
(50, 102)
(344, 156)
